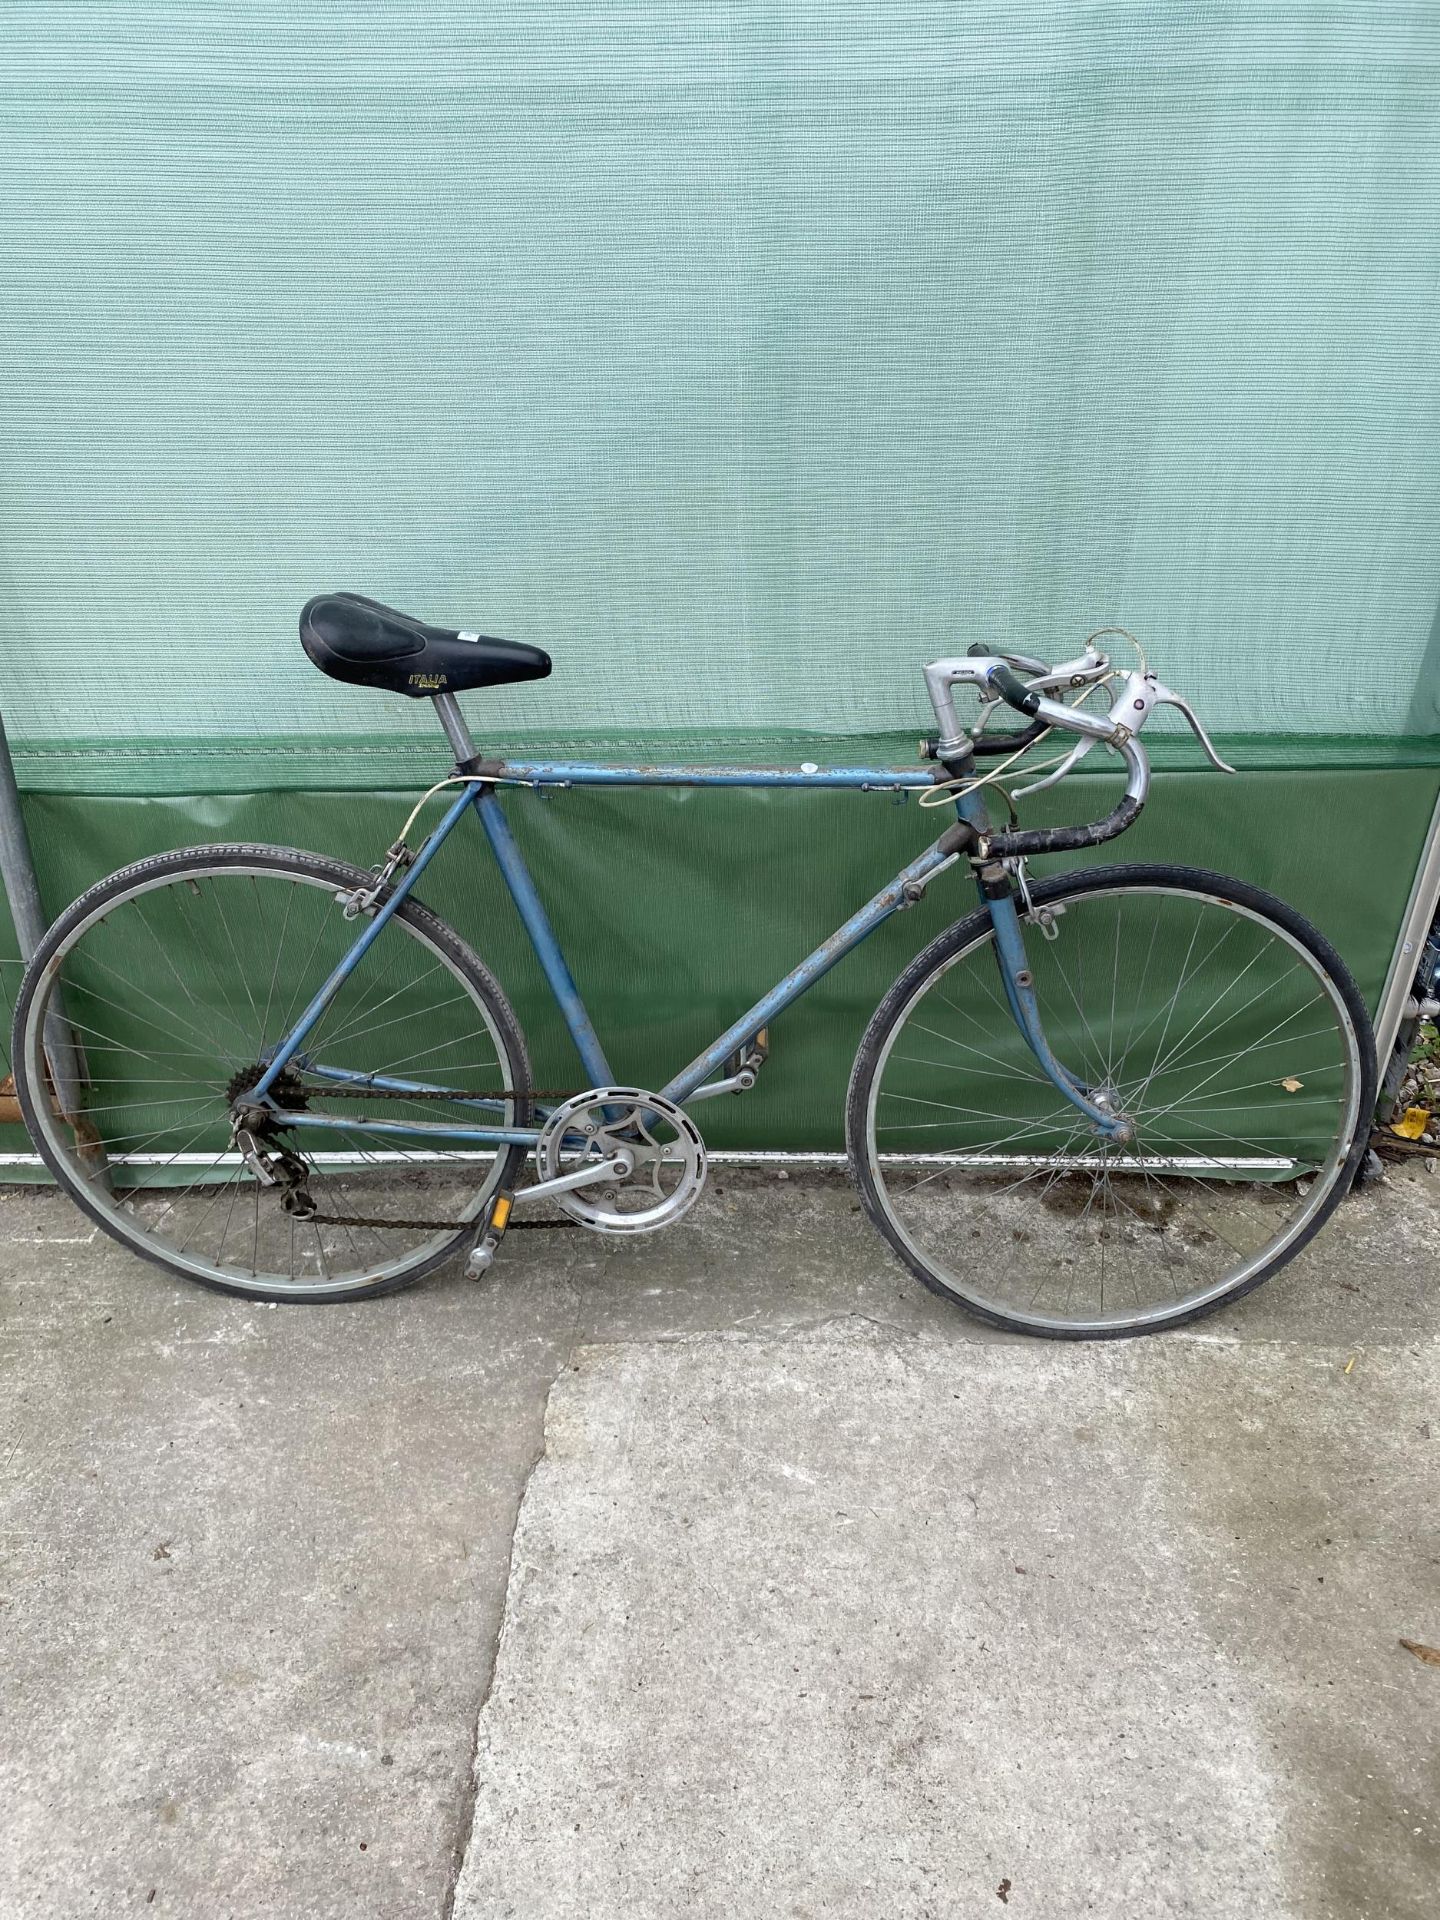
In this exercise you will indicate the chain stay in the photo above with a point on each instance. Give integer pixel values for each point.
(426, 1093)
(446, 1093)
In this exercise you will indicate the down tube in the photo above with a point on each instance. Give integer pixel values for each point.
(800, 979)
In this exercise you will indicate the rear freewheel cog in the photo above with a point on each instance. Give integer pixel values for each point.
(668, 1174)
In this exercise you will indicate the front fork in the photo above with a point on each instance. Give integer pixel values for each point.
(997, 891)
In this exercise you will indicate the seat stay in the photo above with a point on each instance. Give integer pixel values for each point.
(348, 961)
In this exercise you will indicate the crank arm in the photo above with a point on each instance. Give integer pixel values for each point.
(615, 1168)
(734, 1083)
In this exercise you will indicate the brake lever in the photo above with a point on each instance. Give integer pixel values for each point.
(1090, 666)
(1138, 699)
(1167, 697)
(1084, 671)
(1022, 662)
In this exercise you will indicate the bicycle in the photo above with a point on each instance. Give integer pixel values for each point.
(1098, 1104)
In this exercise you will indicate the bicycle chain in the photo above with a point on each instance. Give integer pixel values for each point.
(423, 1226)
(439, 1093)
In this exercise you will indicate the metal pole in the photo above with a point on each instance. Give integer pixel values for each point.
(17, 869)
(1419, 916)
(16, 865)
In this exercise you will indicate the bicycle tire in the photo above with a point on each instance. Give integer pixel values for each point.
(189, 864)
(968, 936)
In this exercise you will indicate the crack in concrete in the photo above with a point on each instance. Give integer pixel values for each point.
(465, 1815)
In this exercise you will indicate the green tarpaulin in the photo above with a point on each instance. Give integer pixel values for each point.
(745, 357)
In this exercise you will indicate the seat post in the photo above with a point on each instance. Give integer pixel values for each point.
(453, 721)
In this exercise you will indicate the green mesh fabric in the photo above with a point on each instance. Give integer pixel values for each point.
(744, 356)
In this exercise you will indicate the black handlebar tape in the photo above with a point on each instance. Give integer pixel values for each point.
(1037, 840)
(1013, 690)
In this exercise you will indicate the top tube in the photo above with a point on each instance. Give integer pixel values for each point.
(582, 773)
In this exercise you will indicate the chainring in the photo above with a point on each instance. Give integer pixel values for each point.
(669, 1155)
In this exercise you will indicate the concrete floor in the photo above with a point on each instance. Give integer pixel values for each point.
(766, 1646)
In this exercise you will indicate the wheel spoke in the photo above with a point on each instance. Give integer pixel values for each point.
(1004, 1194)
(164, 982)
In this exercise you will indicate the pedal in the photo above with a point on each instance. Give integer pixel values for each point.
(482, 1255)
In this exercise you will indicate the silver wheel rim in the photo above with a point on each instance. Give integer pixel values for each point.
(961, 1277)
(127, 1226)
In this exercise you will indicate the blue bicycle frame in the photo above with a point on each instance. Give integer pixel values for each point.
(479, 794)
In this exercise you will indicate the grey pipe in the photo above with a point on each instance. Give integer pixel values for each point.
(17, 870)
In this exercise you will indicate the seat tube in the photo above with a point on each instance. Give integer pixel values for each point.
(528, 903)
(536, 922)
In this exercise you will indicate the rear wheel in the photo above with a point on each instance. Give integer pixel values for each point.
(1217, 1020)
(178, 977)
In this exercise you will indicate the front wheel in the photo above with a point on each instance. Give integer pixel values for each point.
(1219, 1022)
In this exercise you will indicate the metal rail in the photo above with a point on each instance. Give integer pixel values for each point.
(1419, 918)
(17, 869)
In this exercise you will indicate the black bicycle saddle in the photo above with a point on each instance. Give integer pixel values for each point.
(370, 645)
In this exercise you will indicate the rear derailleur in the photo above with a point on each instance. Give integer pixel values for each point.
(253, 1137)
(276, 1166)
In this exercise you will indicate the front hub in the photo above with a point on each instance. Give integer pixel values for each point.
(1115, 1124)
